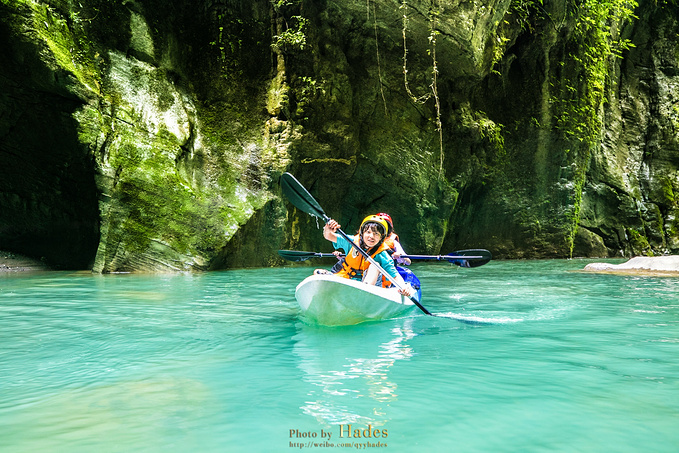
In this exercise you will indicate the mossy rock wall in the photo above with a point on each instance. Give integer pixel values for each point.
(173, 171)
(150, 135)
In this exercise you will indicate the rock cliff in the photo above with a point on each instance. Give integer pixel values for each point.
(149, 135)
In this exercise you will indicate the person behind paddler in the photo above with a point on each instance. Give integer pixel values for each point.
(391, 241)
(370, 237)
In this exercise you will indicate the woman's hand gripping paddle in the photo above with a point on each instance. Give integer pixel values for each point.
(302, 199)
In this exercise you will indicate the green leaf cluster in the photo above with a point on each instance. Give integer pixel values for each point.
(293, 38)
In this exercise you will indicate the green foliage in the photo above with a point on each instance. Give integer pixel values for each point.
(523, 10)
(499, 48)
(573, 217)
(307, 91)
(492, 132)
(278, 4)
(579, 94)
(292, 39)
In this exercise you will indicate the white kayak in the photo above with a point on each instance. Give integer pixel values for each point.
(335, 301)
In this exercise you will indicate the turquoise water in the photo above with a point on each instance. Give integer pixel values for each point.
(535, 357)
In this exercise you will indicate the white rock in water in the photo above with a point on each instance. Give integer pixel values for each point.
(642, 263)
(599, 266)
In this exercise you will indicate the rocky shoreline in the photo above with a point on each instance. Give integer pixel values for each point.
(640, 265)
(11, 262)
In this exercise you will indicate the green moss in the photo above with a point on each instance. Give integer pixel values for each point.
(160, 206)
(277, 95)
(306, 92)
(667, 192)
(492, 132)
(639, 243)
(69, 45)
(671, 227)
(578, 96)
(93, 127)
(573, 216)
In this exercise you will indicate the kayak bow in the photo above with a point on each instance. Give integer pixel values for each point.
(330, 300)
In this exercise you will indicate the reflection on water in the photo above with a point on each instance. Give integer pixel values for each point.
(348, 367)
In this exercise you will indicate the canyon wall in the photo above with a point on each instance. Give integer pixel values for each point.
(150, 135)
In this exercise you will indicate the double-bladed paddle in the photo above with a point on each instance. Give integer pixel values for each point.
(297, 255)
(302, 199)
(462, 258)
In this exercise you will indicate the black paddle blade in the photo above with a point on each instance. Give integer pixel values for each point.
(296, 255)
(487, 256)
(299, 196)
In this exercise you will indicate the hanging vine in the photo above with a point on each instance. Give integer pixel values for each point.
(581, 94)
(434, 13)
(421, 99)
(434, 83)
(377, 52)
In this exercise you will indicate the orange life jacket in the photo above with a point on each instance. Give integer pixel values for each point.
(390, 242)
(355, 263)
(391, 248)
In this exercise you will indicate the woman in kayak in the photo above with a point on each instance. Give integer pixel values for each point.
(394, 248)
(370, 238)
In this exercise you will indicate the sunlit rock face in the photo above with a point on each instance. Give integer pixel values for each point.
(133, 166)
(150, 135)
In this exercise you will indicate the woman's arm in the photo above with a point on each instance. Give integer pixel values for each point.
(329, 230)
(398, 251)
(387, 263)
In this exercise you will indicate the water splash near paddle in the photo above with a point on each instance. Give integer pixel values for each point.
(479, 320)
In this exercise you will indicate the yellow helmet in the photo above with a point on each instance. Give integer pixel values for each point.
(377, 220)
